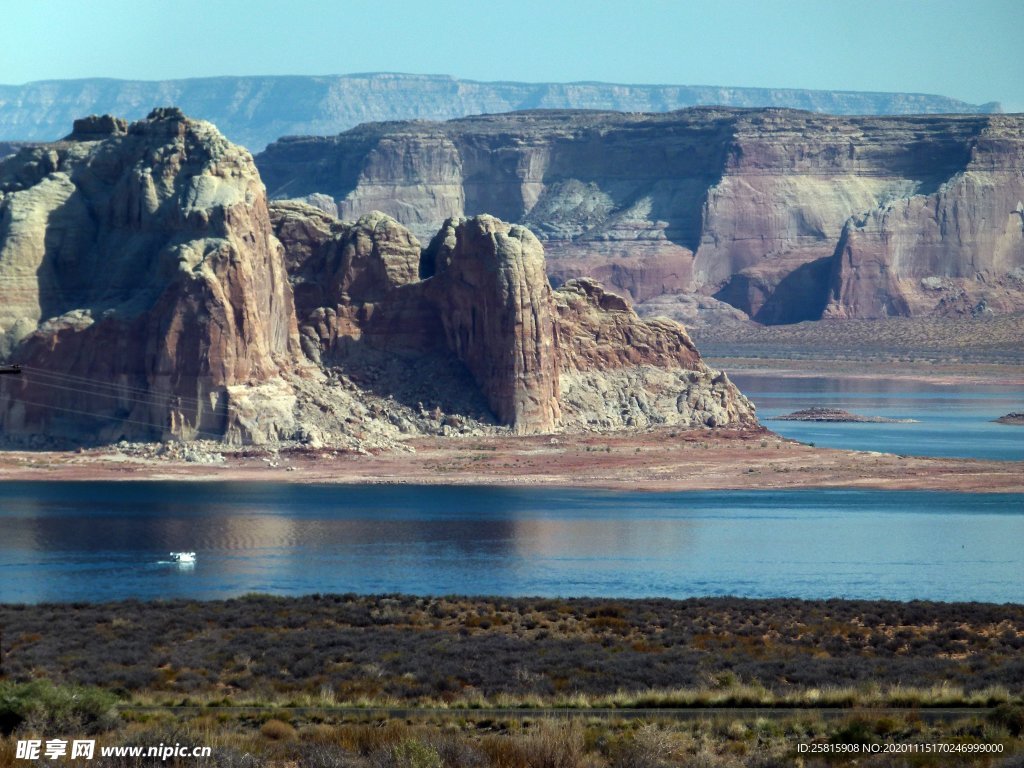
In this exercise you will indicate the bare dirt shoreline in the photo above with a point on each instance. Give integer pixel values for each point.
(656, 460)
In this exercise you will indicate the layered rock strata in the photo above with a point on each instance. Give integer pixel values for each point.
(144, 291)
(493, 297)
(787, 216)
(959, 249)
(618, 370)
(150, 292)
(543, 360)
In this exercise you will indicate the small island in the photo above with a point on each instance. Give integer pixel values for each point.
(1012, 418)
(818, 413)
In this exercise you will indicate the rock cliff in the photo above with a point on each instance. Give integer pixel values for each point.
(492, 294)
(255, 111)
(747, 206)
(143, 288)
(484, 321)
(150, 292)
(621, 371)
(957, 250)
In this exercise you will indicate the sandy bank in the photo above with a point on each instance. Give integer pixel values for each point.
(655, 460)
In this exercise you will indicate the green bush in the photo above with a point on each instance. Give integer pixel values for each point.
(47, 708)
(409, 754)
(1009, 717)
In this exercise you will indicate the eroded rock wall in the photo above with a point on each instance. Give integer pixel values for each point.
(957, 250)
(150, 292)
(621, 371)
(745, 205)
(141, 282)
(493, 297)
(543, 360)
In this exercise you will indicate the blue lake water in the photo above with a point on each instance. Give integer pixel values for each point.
(952, 420)
(103, 540)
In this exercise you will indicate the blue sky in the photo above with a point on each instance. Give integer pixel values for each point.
(969, 49)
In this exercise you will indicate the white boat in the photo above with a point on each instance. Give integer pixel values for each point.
(183, 557)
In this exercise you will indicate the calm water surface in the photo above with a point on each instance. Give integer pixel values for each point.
(952, 420)
(101, 540)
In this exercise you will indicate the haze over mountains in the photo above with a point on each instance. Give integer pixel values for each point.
(255, 111)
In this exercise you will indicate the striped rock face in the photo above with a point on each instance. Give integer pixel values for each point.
(141, 282)
(784, 215)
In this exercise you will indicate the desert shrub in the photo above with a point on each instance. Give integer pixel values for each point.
(44, 707)
(369, 739)
(1009, 717)
(855, 731)
(554, 744)
(457, 753)
(650, 747)
(324, 755)
(592, 646)
(503, 752)
(277, 730)
(705, 759)
(409, 753)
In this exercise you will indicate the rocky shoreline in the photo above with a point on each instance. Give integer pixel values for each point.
(837, 415)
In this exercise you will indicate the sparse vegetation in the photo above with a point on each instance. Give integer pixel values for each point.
(303, 664)
(453, 651)
(326, 741)
(41, 705)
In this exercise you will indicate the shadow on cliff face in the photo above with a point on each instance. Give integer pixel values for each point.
(799, 295)
(430, 382)
(638, 181)
(83, 379)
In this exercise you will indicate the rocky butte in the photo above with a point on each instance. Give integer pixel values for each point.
(150, 291)
(141, 279)
(782, 215)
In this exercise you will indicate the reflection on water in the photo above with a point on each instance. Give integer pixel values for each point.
(98, 541)
(951, 420)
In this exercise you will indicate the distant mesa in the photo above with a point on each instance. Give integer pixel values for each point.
(255, 111)
(837, 415)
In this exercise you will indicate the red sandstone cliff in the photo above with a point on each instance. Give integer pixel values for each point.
(543, 360)
(150, 292)
(745, 205)
(141, 283)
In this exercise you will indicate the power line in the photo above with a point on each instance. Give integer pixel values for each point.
(116, 391)
(118, 398)
(48, 406)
